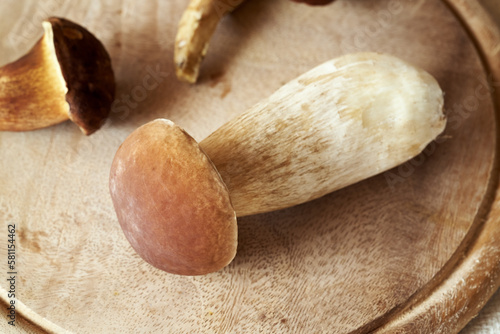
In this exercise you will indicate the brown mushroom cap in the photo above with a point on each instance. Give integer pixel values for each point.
(171, 202)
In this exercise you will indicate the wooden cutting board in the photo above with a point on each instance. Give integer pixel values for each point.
(413, 250)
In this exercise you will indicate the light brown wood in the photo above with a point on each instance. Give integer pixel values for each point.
(414, 246)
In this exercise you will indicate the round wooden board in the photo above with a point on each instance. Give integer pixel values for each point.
(415, 249)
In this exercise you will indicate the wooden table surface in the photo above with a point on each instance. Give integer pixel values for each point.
(80, 272)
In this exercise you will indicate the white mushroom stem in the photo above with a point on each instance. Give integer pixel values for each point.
(344, 121)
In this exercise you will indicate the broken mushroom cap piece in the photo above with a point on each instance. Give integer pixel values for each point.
(172, 205)
(66, 75)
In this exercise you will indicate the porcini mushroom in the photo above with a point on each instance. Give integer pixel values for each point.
(66, 75)
(344, 121)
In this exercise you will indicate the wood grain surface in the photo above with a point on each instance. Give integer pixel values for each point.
(383, 254)
(488, 320)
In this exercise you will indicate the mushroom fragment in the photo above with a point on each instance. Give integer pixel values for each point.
(196, 27)
(344, 121)
(66, 75)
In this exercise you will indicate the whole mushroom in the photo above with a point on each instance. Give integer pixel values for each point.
(344, 121)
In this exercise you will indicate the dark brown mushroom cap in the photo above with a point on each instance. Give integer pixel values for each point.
(86, 68)
(171, 202)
